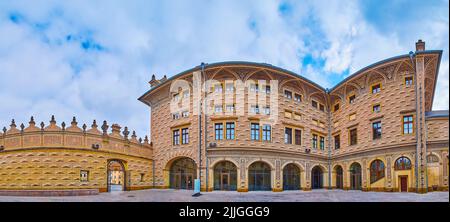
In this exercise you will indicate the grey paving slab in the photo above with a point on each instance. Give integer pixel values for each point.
(232, 196)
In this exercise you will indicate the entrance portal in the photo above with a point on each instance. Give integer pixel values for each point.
(225, 176)
(116, 176)
(317, 178)
(182, 174)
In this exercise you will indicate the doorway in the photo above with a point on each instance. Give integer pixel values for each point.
(403, 183)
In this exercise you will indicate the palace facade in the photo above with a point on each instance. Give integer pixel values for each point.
(243, 126)
(374, 131)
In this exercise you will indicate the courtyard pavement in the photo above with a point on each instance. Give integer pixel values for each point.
(233, 196)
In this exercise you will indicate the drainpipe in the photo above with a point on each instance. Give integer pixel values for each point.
(329, 139)
(416, 162)
(200, 133)
(206, 131)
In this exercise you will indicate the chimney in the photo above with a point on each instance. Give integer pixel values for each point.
(420, 45)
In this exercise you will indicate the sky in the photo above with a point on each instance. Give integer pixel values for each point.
(93, 59)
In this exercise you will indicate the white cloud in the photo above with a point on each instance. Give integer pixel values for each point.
(43, 74)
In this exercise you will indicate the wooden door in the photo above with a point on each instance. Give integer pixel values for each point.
(403, 183)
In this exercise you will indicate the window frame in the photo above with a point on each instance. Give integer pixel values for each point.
(350, 100)
(375, 84)
(264, 133)
(183, 142)
(373, 108)
(338, 141)
(412, 124)
(350, 137)
(299, 96)
(257, 132)
(218, 136)
(377, 132)
(176, 138)
(334, 107)
(314, 102)
(405, 81)
(288, 94)
(288, 140)
(227, 123)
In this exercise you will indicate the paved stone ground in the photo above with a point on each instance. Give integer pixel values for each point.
(259, 196)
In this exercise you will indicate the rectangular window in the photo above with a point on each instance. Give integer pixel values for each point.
(218, 109)
(408, 124)
(408, 81)
(254, 131)
(321, 107)
(297, 97)
(336, 107)
(230, 131)
(322, 143)
(84, 175)
(288, 135)
(353, 137)
(376, 88)
(314, 141)
(185, 114)
(298, 137)
(218, 88)
(218, 130)
(337, 142)
(254, 88)
(376, 108)
(229, 87)
(314, 104)
(288, 94)
(175, 116)
(267, 89)
(185, 136)
(176, 137)
(254, 109)
(230, 108)
(351, 99)
(267, 133)
(266, 110)
(142, 177)
(376, 130)
(352, 116)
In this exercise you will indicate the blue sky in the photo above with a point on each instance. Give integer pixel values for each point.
(93, 59)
